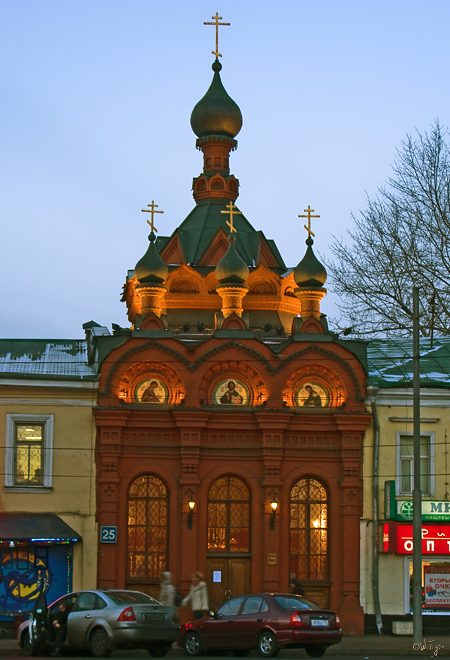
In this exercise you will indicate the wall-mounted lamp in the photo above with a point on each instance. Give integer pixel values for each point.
(12, 544)
(274, 507)
(191, 505)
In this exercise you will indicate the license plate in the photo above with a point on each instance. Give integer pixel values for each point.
(154, 616)
(319, 623)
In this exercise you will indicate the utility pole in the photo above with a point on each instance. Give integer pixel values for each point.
(417, 494)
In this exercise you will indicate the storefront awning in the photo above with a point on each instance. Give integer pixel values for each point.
(45, 527)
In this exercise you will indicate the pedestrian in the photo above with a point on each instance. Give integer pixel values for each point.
(167, 591)
(197, 596)
(296, 587)
(59, 623)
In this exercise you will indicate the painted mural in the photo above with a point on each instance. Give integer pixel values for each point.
(311, 395)
(151, 390)
(231, 392)
(21, 573)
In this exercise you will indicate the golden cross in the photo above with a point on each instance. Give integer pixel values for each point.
(152, 210)
(231, 209)
(309, 210)
(216, 23)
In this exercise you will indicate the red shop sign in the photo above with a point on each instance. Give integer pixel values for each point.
(435, 539)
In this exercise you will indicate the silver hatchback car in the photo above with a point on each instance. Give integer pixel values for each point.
(103, 620)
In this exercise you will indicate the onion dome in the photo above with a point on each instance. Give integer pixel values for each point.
(151, 269)
(310, 271)
(216, 113)
(231, 269)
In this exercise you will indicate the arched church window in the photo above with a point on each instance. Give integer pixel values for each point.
(147, 527)
(308, 523)
(228, 516)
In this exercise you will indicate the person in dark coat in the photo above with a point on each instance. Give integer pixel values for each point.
(296, 587)
(59, 623)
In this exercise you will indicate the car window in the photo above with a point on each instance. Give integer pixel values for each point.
(100, 603)
(231, 608)
(295, 603)
(253, 605)
(131, 598)
(85, 601)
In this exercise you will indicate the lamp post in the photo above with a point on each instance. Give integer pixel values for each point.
(191, 506)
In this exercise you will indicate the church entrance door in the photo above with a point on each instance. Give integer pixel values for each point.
(227, 577)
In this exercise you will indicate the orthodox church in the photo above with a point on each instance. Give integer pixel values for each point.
(230, 420)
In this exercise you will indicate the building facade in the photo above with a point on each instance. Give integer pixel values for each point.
(230, 421)
(48, 532)
(388, 482)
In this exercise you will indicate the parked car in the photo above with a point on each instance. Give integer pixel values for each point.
(101, 621)
(266, 622)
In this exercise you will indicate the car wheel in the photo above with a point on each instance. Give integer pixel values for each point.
(192, 644)
(28, 646)
(315, 651)
(240, 653)
(159, 650)
(267, 644)
(99, 643)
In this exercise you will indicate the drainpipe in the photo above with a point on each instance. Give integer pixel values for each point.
(376, 458)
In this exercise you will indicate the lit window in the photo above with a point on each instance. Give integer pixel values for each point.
(29, 446)
(405, 463)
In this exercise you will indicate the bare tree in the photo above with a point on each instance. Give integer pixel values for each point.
(401, 240)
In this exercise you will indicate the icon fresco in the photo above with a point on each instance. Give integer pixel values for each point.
(151, 390)
(311, 395)
(231, 392)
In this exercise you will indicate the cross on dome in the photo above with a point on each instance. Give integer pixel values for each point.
(231, 209)
(309, 211)
(216, 18)
(152, 209)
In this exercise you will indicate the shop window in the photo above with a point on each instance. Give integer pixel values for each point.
(29, 451)
(147, 528)
(229, 516)
(309, 530)
(405, 463)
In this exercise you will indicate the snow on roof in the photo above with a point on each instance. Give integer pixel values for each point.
(390, 362)
(56, 358)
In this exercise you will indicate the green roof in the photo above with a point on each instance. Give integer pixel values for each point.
(197, 232)
(390, 362)
(62, 359)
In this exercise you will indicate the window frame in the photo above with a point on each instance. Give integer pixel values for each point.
(12, 419)
(399, 476)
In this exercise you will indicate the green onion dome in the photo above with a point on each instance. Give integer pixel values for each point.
(216, 113)
(310, 271)
(151, 269)
(231, 269)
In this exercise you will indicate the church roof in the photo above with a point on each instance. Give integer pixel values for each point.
(198, 230)
(61, 359)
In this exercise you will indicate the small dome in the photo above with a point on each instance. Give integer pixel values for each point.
(310, 271)
(231, 269)
(151, 268)
(216, 112)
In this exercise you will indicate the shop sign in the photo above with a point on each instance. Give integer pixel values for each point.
(435, 539)
(389, 500)
(399, 539)
(437, 586)
(431, 511)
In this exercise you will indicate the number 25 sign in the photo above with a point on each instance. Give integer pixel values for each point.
(108, 534)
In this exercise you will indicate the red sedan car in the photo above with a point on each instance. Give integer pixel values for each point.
(266, 622)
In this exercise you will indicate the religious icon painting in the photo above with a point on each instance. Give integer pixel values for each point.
(231, 392)
(151, 390)
(311, 395)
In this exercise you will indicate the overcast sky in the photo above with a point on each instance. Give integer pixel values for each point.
(94, 115)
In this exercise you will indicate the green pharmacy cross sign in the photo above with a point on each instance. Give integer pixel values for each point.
(402, 510)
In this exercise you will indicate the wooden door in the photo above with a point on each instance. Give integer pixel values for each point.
(228, 577)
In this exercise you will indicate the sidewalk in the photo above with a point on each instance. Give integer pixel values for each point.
(363, 646)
